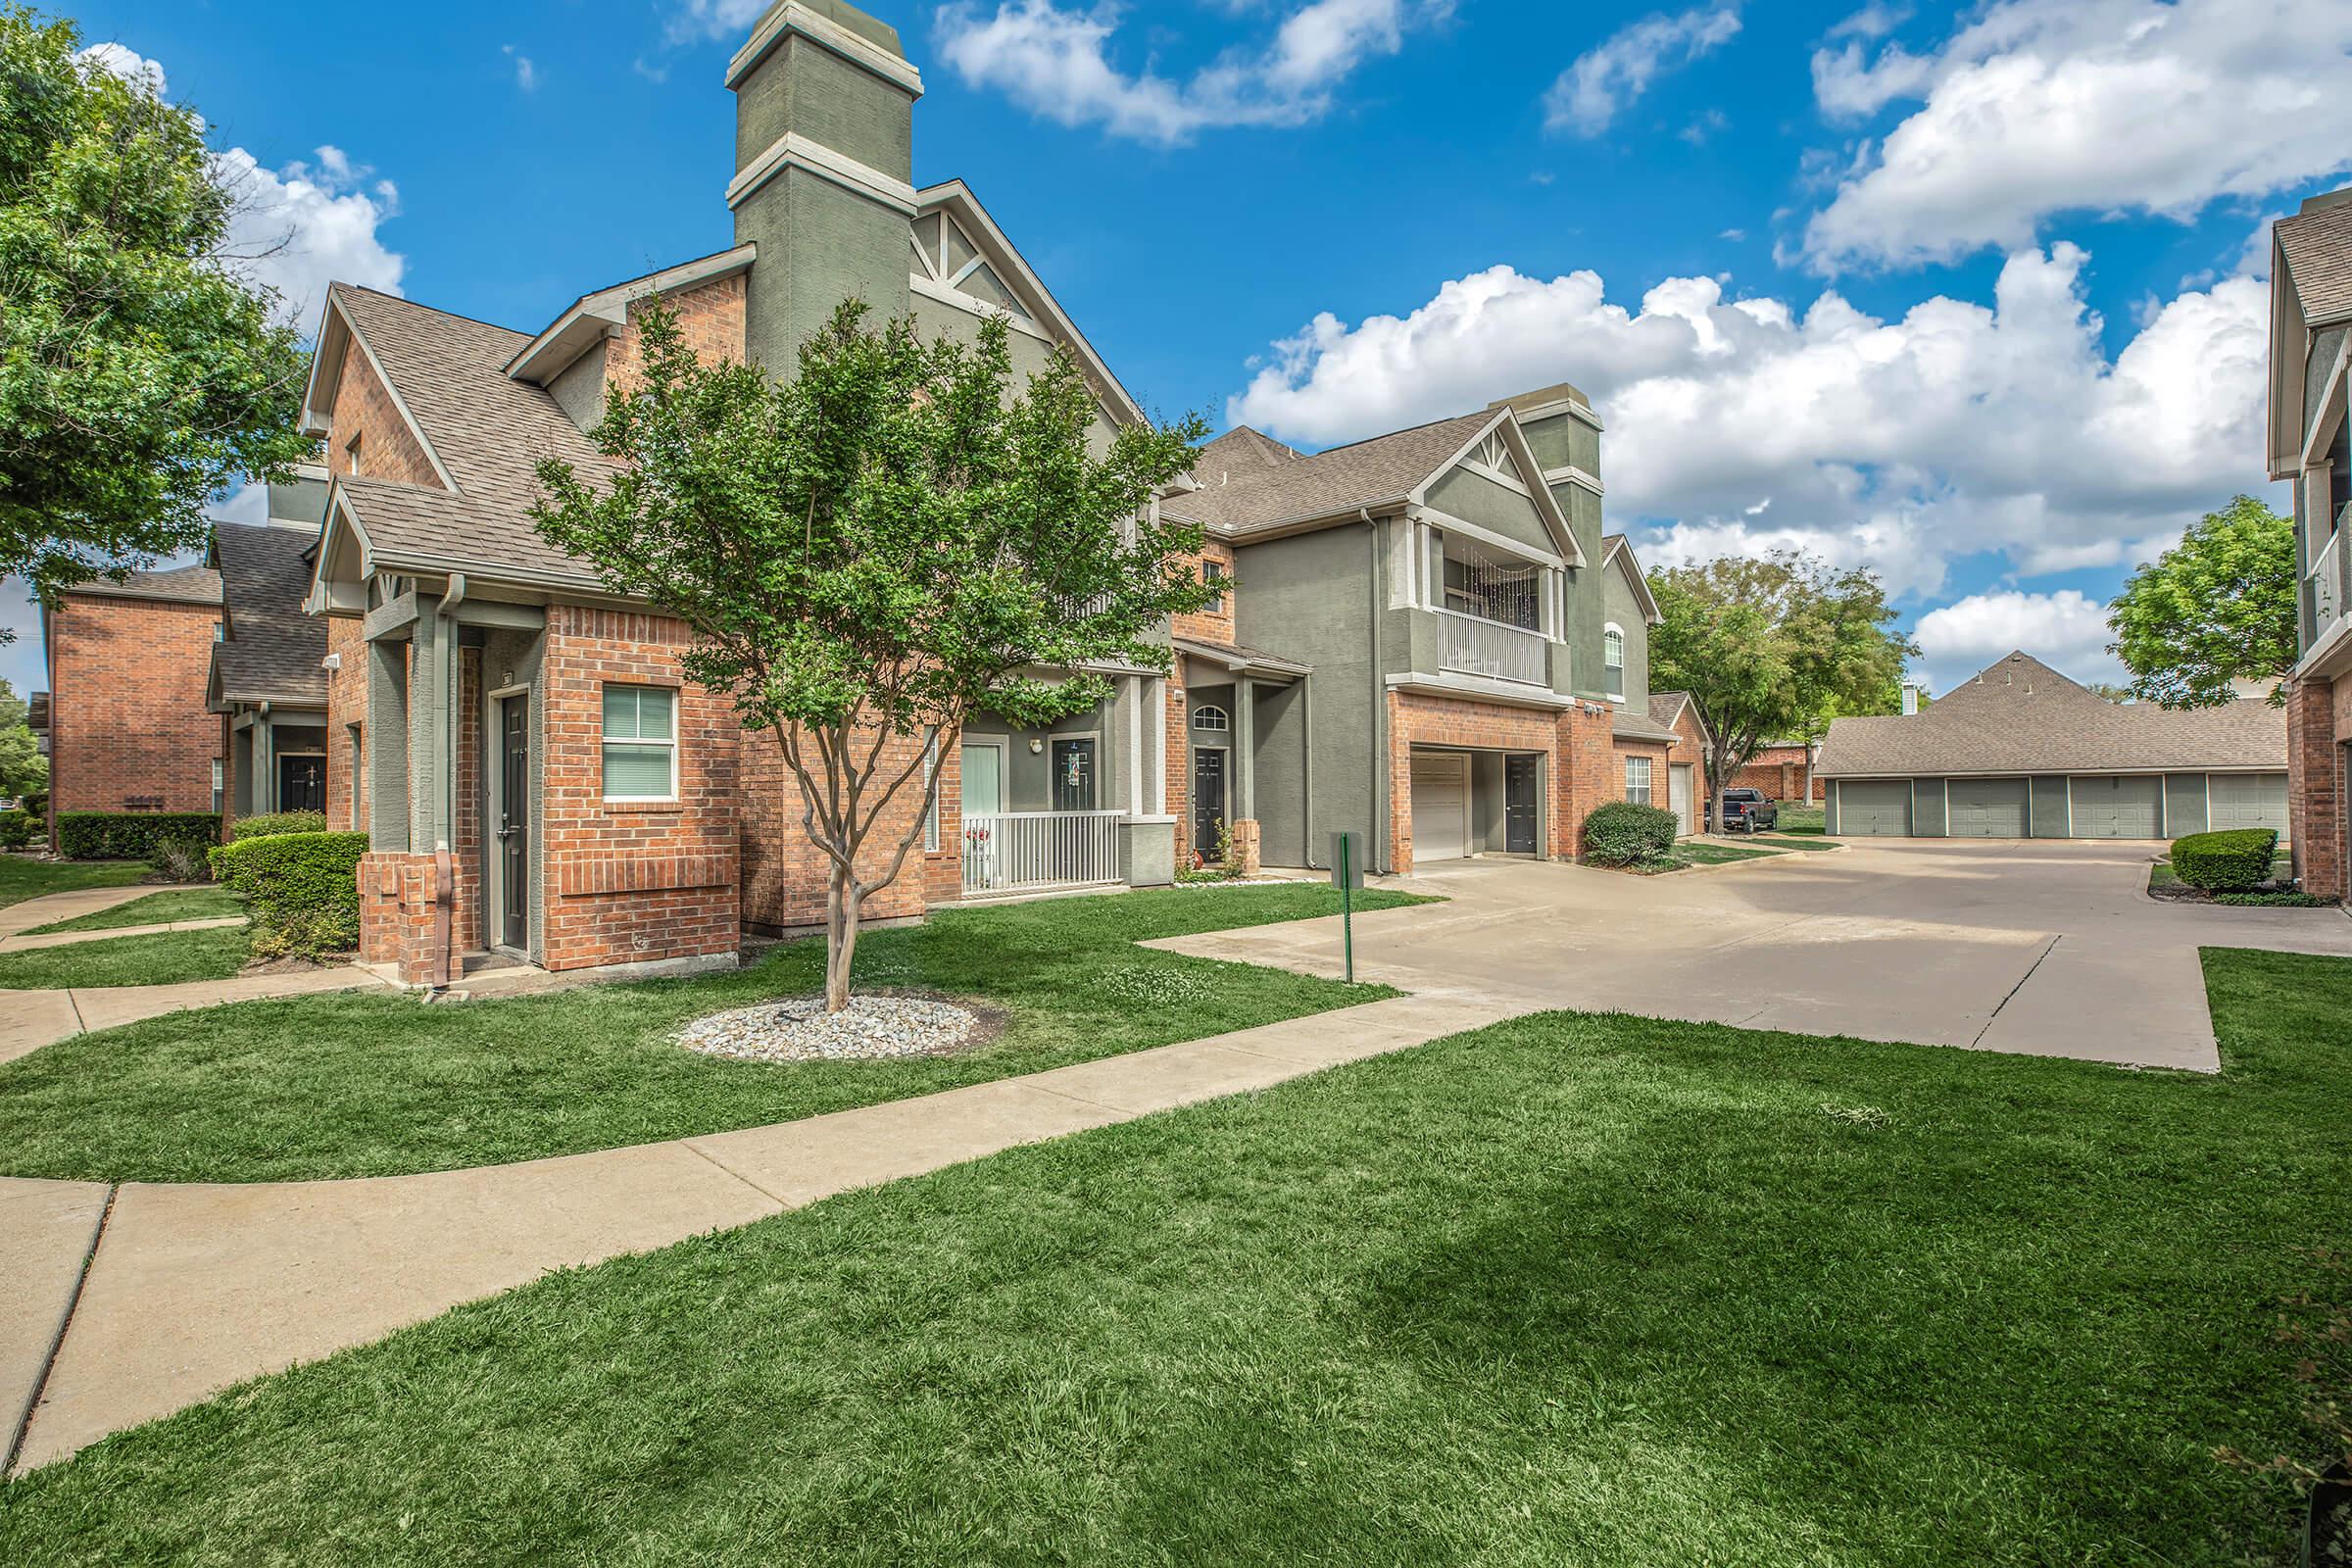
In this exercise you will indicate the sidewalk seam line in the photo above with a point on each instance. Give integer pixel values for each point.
(57, 1341)
(718, 1164)
(2032, 969)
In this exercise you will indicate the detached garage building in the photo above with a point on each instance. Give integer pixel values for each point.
(2022, 751)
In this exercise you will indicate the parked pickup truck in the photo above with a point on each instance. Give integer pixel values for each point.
(1745, 812)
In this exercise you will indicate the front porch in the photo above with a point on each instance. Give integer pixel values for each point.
(1072, 806)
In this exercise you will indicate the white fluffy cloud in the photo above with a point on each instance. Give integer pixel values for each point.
(297, 227)
(2039, 107)
(2066, 630)
(1057, 62)
(1900, 444)
(715, 19)
(1619, 69)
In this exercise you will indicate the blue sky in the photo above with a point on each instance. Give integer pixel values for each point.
(1971, 295)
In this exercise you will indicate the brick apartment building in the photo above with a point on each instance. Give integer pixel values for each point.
(1427, 634)
(128, 730)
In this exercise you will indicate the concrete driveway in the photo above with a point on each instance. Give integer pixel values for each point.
(2044, 948)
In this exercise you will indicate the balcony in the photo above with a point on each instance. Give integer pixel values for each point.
(1022, 852)
(1471, 645)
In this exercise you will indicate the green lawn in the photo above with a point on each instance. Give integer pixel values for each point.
(22, 877)
(166, 957)
(1802, 839)
(367, 1085)
(1800, 819)
(1689, 852)
(157, 909)
(1575, 1290)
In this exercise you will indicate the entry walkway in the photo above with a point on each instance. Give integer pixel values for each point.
(138, 1299)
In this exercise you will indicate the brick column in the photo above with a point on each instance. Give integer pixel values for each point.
(397, 917)
(2315, 787)
(1245, 840)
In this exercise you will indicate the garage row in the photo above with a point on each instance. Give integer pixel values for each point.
(1468, 803)
(2057, 806)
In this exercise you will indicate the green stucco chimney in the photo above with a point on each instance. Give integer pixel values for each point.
(824, 125)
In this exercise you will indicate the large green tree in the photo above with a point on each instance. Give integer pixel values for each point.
(2217, 607)
(139, 368)
(872, 551)
(24, 771)
(1768, 646)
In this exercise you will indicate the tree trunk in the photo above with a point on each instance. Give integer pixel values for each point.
(840, 938)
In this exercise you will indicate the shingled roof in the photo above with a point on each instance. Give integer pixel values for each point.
(1261, 493)
(2019, 715)
(271, 649)
(488, 431)
(185, 585)
(2317, 243)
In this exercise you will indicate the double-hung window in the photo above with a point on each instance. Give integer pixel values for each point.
(1636, 780)
(641, 742)
(1612, 661)
(1213, 573)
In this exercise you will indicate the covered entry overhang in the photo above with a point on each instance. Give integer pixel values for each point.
(1250, 748)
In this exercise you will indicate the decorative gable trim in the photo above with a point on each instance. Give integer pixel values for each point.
(1505, 426)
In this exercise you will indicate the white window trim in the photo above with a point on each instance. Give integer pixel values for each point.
(1223, 726)
(1649, 785)
(1617, 687)
(930, 776)
(605, 743)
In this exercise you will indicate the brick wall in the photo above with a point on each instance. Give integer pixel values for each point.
(1660, 785)
(710, 319)
(1210, 625)
(2314, 783)
(1780, 772)
(128, 729)
(634, 883)
(388, 446)
(1178, 790)
(346, 706)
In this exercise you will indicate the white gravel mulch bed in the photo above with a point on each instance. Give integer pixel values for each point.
(873, 1028)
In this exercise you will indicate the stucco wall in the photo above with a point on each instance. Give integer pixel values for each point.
(1310, 599)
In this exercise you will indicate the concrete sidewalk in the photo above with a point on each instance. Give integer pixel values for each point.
(191, 1289)
(50, 907)
(31, 1019)
(68, 939)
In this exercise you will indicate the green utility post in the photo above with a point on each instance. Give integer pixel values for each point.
(1347, 872)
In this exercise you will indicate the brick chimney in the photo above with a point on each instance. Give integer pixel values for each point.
(824, 125)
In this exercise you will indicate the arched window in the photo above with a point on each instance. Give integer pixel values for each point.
(1210, 716)
(1613, 658)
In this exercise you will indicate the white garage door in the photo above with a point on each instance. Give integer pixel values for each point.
(1440, 808)
(1874, 808)
(2249, 799)
(1987, 808)
(1681, 797)
(2117, 808)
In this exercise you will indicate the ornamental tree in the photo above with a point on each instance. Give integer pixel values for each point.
(1764, 645)
(872, 551)
(139, 371)
(2217, 607)
(24, 771)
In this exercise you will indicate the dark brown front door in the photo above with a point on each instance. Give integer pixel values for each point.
(515, 822)
(1522, 804)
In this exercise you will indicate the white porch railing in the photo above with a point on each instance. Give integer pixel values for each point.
(2326, 602)
(1471, 645)
(1005, 851)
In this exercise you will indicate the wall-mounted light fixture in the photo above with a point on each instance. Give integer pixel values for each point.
(1035, 746)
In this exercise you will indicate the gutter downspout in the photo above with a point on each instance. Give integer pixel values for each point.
(445, 878)
(1376, 831)
(1306, 769)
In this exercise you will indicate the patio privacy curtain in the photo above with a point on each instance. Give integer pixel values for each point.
(641, 745)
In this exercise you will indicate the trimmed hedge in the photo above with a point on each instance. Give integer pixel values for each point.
(275, 822)
(18, 829)
(302, 890)
(2231, 860)
(130, 835)
(1622, 833)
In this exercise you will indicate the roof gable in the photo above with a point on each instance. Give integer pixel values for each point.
(1616, 552)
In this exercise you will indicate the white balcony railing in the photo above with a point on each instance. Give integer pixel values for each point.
(2326, 601)
(1471, 645)
(1007, 852)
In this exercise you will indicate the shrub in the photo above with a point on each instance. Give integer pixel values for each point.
(180, 860)
(261, 827)
(2233, 860)
(130, 835)
(302, 890)
(18, 829)
(1622, 833)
